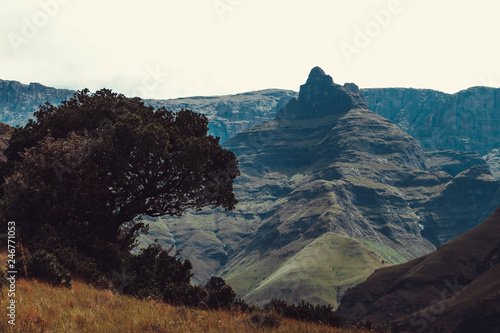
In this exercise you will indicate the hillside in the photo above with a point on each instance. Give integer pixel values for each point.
(42, 308)
(455, 288)
(325, 182)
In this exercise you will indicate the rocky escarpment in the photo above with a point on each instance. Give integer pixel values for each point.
(455, 209)
(231, 114)
(493, 160)
(227, 115)
(467, 121)
(18, 101)
(318, 188)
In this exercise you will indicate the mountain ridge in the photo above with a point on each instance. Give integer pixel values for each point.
(454, 288)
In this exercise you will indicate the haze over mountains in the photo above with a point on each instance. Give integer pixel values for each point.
(329, 191)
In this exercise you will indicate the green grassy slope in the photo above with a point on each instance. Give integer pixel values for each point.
(326, 266)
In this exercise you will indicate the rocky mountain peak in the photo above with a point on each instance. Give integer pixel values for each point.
(320, 97)
(318, 75)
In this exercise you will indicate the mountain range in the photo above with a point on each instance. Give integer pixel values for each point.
(463, 122)
(330, 191)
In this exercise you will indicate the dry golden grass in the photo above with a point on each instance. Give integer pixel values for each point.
(43, 308)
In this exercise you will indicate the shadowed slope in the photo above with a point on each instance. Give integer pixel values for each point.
(456, 287)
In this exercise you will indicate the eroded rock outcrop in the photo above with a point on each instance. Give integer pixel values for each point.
(320, 97)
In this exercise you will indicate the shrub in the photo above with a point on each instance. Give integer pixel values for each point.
(305, 312)
(220, 295)
(44, 266)
(154, 272)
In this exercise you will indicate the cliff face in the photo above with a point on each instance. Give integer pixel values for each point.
(320, 97)
(467, 121)
(228, 114)
(231, 114)
(18, 101)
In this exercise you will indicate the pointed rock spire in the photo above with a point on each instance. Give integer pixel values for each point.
(320, 97)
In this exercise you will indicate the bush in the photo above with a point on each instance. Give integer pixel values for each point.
(220, 295)
(242, 306)
(44, 266)
(305, 312)
(154, 272)
(83, 263)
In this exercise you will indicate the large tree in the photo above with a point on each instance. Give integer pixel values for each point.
(98, 162)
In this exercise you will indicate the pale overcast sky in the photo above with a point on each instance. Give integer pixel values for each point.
(174, 48)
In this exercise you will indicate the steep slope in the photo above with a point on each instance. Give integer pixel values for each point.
(454, 161)
(329, 192)
(455, 288)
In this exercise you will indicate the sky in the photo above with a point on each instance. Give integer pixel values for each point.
(173, 48)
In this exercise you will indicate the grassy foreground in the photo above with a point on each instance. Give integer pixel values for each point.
(44, 308)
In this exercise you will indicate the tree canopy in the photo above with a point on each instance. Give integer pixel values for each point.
(92, 166)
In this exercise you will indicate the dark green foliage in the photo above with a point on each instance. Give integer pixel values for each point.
(80, 176)
(79, 254)
(154, 272)
(44, 266)
(185, 294)
(157, 273)
(242, 306)
(220, 295)
(305, 312)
